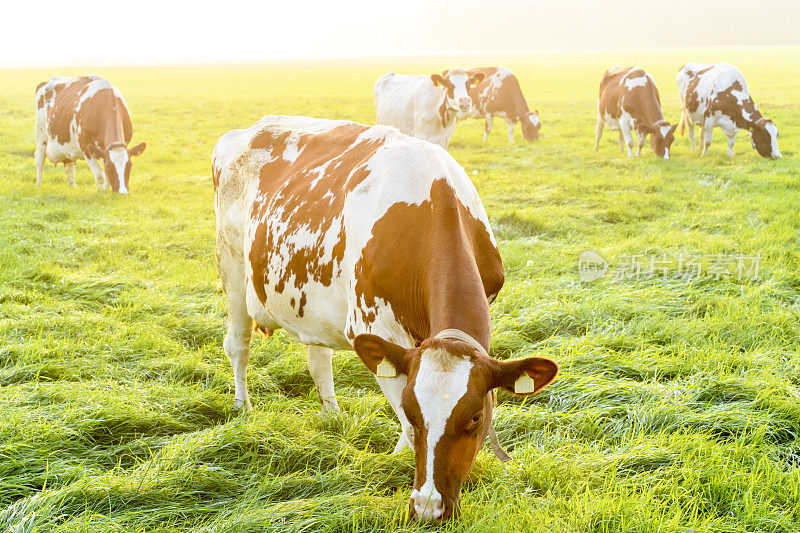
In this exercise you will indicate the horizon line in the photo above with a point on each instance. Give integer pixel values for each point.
(37, 64)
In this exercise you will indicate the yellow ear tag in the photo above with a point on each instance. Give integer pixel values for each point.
(524, 385)
(385, 370)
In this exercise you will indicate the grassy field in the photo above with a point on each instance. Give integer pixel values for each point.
(678, 403)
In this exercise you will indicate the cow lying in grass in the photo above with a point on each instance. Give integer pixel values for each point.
(361, 238)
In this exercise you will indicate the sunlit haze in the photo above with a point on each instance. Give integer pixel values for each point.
(148, 31)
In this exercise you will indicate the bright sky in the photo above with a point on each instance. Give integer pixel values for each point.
(48, 32)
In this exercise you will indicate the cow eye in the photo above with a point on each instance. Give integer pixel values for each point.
(477, 418)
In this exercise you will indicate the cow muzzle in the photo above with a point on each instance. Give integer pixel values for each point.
(428, 507)
(464, 104)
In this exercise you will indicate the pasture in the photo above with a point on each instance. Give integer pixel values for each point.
(677, 407)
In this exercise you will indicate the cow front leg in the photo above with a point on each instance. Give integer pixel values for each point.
(320, 366)
(640, 143)
(598, 132)
(731, 142)
(625, 130)
(97, 172)
(41, 149)
(70, 168)
(621, 142)
(510, 126)
(393, 390)
(489, 118)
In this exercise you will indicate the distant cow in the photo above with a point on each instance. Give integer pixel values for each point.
(629, 101)
(353, 237)
(717, 95)
(85, 118)
(499, 95)
(424, 106)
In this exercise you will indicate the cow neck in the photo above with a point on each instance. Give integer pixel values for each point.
(457, 334)
(114, 136)
(751, 124)
(456, 296)
(445, 113)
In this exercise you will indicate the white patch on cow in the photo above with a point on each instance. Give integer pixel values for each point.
(119, 158)
(631, 83)
(442, 381)
(664, 130)
(534, 118)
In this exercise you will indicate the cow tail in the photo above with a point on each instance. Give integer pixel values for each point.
(683, 123)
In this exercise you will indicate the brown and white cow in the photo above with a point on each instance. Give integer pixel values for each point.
(629, 101)
(85, 117)
(717, 95)
(353, 237)
(499, 95)
(424, 106)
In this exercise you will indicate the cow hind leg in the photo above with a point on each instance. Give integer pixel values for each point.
(70, 168)
(237, 347)
(708, 137)
(320, 366)
(690, 131)
(598, 132)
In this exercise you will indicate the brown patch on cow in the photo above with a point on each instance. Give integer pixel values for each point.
(286, 185)
(728, 104)
(446, 263)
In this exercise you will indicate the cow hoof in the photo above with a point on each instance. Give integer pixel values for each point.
(241, 405)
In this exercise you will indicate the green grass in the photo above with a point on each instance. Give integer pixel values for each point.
(677, 406)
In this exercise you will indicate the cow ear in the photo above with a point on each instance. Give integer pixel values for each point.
(382, 358)
(525, 376)
(477, 78)
(672, 129)
(438, 80)
(137, 150)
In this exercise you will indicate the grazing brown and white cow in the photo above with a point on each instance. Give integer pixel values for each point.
(353, 237)
(717, 95)
(85, 117)
(499, 95)
(629, 101)
(424, 106)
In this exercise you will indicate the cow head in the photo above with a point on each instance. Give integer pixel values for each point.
(765, 139)
(530, 125)
(456, 83)
(447, 400)
(117, 164)
(661, 137)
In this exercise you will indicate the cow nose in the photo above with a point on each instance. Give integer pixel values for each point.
(464, 103)
(427, 506)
